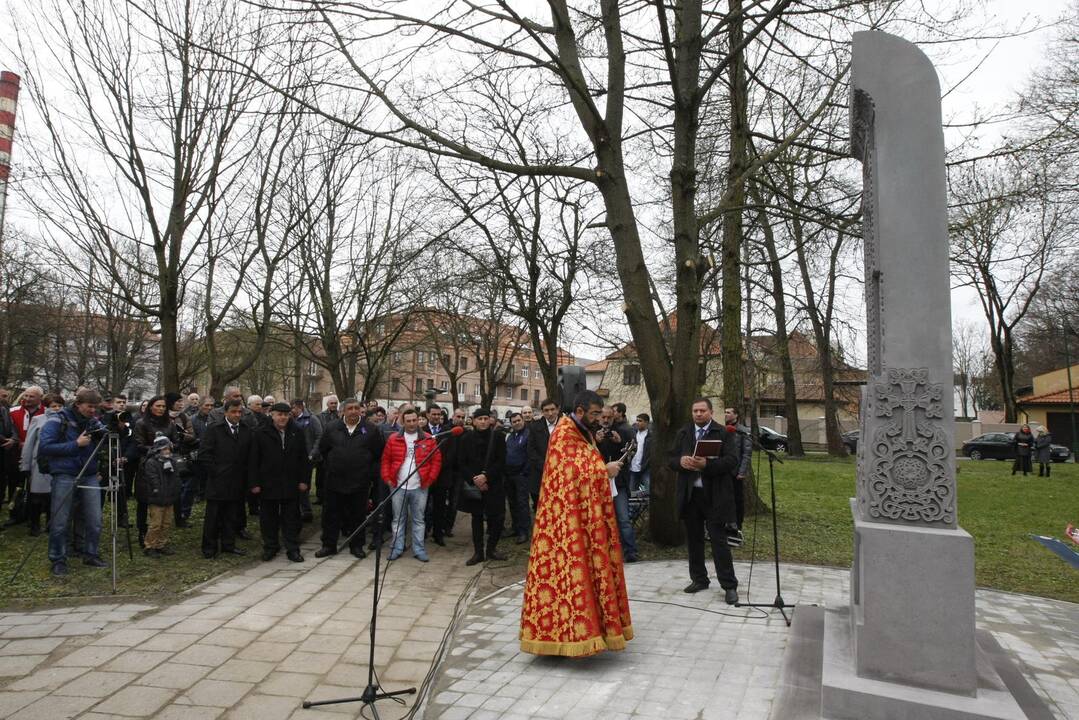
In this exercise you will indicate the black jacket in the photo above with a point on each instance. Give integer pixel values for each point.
(226, 458)
(717, 476)
(538, 437)
(479, 452)
(612, 450)
(350, 463)
(279, 465)
(158, 483)
(448, 447)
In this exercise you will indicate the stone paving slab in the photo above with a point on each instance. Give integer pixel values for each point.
(253, 644)
(694, 657)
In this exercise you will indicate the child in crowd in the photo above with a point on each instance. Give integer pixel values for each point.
(161, 490)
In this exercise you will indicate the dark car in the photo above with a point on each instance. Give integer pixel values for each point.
(850, 439)
(772, 440)
(1001, 446)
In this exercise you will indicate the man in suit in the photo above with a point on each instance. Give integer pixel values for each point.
(705, 497)
(539, 433)
(225, 453)
(280, 472)
(443, 496)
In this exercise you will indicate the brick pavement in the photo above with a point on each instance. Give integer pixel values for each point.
(694, 657)
(253, 644)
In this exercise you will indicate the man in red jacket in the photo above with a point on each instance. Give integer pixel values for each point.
(405, 462)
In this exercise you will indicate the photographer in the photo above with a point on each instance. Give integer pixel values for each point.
(118, 420)
(69, 446)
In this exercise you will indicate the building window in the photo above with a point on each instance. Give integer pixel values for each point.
(312, 368)
(464, 362)
(421, 357)
(445, 385)
(396, 358)
(419, 385)
(462, 388)
(509, 392)
(510, 374)
(524, 372)
(395, 385)
(445, 360)
(430, 383)
(524, 394)
(535, 398)
(380, 329)
(631, 374)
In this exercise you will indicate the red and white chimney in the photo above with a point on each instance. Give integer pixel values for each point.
(9, 95)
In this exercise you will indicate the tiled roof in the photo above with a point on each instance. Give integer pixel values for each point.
(1060, 397)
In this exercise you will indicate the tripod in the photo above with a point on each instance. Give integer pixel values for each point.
(778, 603)
(373, 692)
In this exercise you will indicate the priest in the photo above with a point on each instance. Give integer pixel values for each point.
(575, 601)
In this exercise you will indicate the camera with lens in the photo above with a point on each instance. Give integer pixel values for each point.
(96, 430)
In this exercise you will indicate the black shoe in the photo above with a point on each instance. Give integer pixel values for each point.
(94, 561)
(522, 539)
(308, 517)
(440, 542)
(325, 551)
(294, 556)
(35, 531)
(59, 569)
(495, 555)
(234, 551)
(632, 559)
(209, 555)
(152, 552)
(166, 550)
(243, 535)
(268, 555)
(695, 587)
(183, 523)
(730, 595)
(474, 560)
(358, 553)
(448, 533)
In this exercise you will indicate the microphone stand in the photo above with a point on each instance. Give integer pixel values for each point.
(373, 692)
(778, 603)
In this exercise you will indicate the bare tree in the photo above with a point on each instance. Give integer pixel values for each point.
(1006, 233)
(158, 109)
(968, 353)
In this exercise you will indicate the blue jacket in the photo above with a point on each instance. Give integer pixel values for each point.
(517, 452)
(58, 444)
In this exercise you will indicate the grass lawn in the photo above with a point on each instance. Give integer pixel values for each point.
(157, 578)
(998, 510)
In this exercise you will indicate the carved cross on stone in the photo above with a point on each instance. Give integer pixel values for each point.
(903, 392)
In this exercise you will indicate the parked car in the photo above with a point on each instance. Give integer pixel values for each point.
(772, 440)
(1001, 446)
(850, 439)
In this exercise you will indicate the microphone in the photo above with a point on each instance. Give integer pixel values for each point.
(455, 431)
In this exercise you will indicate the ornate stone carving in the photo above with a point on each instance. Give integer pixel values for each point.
(909, 463)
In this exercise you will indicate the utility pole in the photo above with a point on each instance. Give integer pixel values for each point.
(1071, 392)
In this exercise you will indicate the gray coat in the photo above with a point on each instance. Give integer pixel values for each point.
(1041, 448)
(39, 482)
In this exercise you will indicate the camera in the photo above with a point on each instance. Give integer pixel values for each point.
(96, 430)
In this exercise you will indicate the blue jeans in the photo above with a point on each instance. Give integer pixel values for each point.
(414, 503)
(640, 480)
(63, 497)
(625, 527)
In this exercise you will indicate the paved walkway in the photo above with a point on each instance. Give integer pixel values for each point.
(250, 645)
(694, 657)
(257, 643)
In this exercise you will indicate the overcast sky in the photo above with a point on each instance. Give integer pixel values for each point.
(1006, 65)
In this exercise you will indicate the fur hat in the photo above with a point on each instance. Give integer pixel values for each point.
(161, 443)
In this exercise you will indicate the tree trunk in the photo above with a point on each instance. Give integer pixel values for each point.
(733, 378)
(170, 371)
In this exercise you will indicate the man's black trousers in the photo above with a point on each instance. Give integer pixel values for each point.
(219, 525)
(279, 516)
(494, 510)
(341, 514)
(696, 519)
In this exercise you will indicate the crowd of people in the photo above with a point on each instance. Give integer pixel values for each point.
(270, 460)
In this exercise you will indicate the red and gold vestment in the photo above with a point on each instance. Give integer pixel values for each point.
(575, 600)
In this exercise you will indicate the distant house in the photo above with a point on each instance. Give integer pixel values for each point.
(620, 377)
(1053, 403)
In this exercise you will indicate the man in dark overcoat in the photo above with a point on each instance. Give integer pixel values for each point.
(225, 453)
(279, 473)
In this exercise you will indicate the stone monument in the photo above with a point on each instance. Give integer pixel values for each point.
(906, 647)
